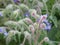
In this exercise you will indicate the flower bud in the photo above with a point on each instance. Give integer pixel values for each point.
(28, 20)
(41, 5)
(46, 39)
(33, 12)
(27, 35)
(10, 22)
(20, 22)
(10, 6)
(13, 32)
(32, 29)
(24, 7)
(16, 12)
(35, 25)
(42, 26)
(42, 18)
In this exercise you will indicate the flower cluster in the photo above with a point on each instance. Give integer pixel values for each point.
(44, 23)
(28, 23)
(48, 25)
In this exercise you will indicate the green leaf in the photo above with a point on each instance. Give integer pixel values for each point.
(54, 20)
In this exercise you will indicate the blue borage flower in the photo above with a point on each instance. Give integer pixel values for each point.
(43, 18)
(48, 25)
(46, 22)
(0, 30)
(27, 14)
(5, 33)
(3, 30)
(1, 14)
(16, 1)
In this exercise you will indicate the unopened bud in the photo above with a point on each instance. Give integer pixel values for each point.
(32, 29)
(42, 26)
(16, 12)
(46, 39)
(27, 35)
(33, 12)
(28, 20)
(42, 18)
(10, 6)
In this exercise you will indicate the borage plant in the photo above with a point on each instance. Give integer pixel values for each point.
(27, 25)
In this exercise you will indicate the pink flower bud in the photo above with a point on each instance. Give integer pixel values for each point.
(33, 12)
(42, 18)
(42, 26)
